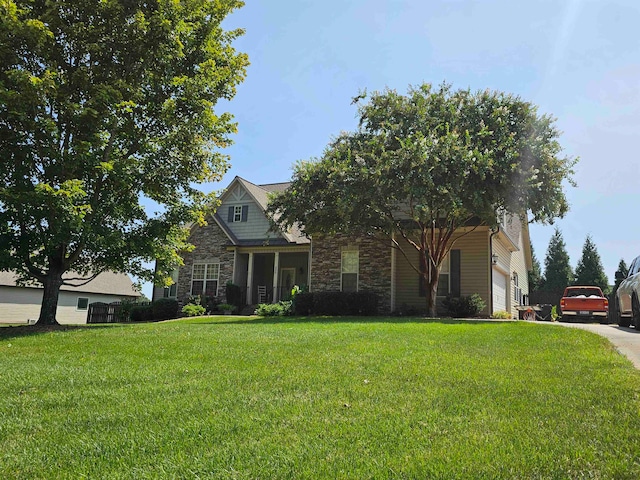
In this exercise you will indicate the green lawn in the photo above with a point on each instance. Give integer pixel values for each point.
(229, 397)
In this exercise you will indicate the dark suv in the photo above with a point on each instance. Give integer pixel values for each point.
(627, 297)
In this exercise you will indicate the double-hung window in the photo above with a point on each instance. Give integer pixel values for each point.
(349, 271)
(449, 279)
(237, 213)
(172, 290)
(444, 278)
(204, 279)
(517, 291)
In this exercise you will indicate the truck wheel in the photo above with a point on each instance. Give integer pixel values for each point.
(635, 312)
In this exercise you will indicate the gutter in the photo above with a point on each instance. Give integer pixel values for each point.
(493, 233)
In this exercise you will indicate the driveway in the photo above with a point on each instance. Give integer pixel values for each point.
(626, 340)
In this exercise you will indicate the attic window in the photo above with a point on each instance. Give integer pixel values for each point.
(238, 213)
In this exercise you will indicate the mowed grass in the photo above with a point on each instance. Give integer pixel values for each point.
(326, 398)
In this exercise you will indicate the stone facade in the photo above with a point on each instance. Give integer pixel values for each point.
(374, 265)
(210, 242)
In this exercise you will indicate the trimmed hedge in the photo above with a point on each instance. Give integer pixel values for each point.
(141, 313)
(336, 303)
(161, 309)
(165, 309)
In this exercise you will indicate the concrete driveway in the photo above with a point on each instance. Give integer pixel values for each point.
(626, 340)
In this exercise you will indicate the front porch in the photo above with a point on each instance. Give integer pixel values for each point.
(269, 276)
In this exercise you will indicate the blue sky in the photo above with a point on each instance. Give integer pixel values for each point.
(578, 60)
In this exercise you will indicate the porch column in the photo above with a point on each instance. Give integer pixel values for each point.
(250, 279)
(276, 269)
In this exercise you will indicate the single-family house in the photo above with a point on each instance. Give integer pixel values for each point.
(19, 304)
(237, 246)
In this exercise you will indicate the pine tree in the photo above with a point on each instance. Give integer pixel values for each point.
(624, 271)
(535, 274)
(589, 270)
(557, 270)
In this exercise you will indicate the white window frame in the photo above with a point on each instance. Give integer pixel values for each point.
(517, 291)
(207, 276)
(78, 309)
(445, 269)
(344, 269)
(237, 213)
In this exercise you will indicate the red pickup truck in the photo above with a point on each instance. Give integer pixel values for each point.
(582, 303)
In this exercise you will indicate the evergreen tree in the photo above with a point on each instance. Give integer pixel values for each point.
(624, 271)
(557, 270)
(535, 275)
(589, 270)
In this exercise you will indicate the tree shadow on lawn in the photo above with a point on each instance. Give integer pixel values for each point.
(14, 331)
(349, 319)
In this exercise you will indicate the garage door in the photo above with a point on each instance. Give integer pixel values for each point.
(499, 291)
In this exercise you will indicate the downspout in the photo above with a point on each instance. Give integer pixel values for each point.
(493, 232)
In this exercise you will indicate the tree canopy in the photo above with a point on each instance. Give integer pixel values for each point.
(424, 164)
(589, 270)
(558, 273)
(104, 105)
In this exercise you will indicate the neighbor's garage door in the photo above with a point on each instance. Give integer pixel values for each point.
(499, 291)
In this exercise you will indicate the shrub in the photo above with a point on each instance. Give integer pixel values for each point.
(279, 309)
(226, 307)
(303, 303)
(463, 307)
(141, 313)
(234, 294)
(164, 309)
(193, 310)
(501, 314)
(345, 303)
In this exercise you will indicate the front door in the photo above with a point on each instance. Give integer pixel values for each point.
(287, 281)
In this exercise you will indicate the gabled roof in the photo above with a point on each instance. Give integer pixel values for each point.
(260, 195)
(108, 283)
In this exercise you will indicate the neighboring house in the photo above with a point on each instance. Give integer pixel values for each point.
(236, 246)
(20, 304)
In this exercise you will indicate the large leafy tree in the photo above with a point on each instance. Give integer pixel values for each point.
(424, 164)
(558, 273)
(589, 270)
(103, 105)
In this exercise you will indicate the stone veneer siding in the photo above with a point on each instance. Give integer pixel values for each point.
(374, 265)
(210, 242)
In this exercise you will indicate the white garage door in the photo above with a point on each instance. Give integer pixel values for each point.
(499, 291)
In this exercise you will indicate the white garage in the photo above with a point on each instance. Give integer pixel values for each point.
(499, 291)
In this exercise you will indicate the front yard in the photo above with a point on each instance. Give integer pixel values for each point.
(232, 397)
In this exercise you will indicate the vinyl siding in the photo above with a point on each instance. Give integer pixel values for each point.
(518, 263)
(474, 262)
(510, 262)
(256, 226)
(18, 305)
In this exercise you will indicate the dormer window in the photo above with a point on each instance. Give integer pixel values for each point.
(238, 213)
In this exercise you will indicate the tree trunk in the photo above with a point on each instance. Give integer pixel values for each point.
(49, 305)
(432, 293)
